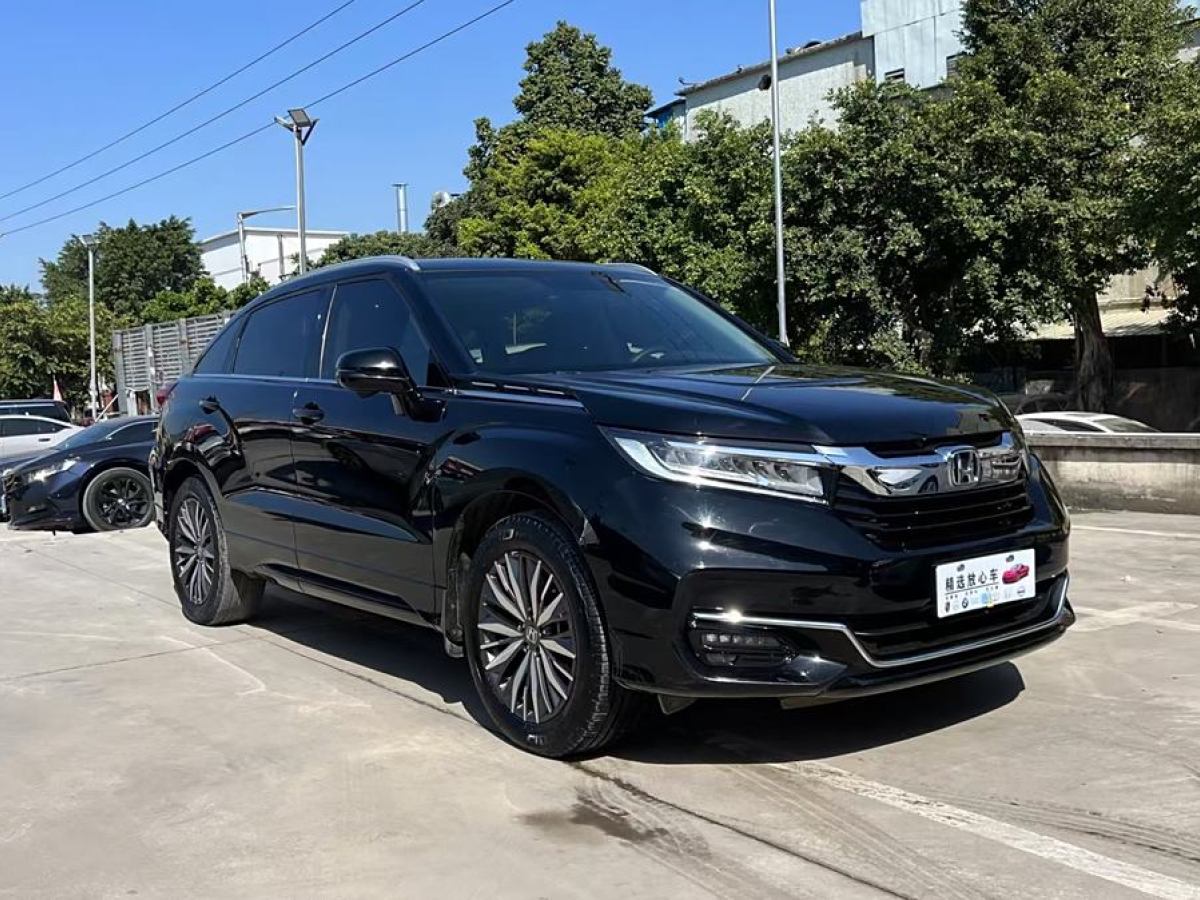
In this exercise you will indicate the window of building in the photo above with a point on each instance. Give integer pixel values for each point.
(952, 64)
(894, 75)
(283, 338)
(367, 314)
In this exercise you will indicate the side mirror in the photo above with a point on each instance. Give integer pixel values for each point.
(379, 370)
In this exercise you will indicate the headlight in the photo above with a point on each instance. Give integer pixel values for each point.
(761, 471)
(53, 469)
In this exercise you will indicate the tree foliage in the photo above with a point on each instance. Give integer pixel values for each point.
(134, 263)
(384, 243)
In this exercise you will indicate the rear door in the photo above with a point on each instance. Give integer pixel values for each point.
(245, 424)
(363, 525)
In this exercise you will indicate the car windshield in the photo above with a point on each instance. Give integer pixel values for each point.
(91, 434)
(1123, 426)
(564, 320)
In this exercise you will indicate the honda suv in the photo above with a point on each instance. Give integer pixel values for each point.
(600, 487)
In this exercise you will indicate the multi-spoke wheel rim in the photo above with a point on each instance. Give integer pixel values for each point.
(122, 501)
(195, 550)
(526, 642)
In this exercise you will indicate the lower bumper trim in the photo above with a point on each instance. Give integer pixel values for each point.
(1059, 618)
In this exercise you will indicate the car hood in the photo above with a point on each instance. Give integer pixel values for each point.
(818, 405)
(12, 463)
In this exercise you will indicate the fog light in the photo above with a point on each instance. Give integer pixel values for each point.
(751, 648)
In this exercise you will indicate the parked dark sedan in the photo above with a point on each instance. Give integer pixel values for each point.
(95, 480)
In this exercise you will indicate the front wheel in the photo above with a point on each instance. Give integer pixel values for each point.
(117, 499)
(539, 653)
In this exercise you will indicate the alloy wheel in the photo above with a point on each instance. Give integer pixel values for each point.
(526, 642)
(195, 550)
(122, 501)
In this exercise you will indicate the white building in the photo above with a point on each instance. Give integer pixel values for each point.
(915, 41)
(271, 252)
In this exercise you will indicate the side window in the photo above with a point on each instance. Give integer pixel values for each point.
(216, 357)
(371, 313)
(47, 427)
(283, 338)
(139, 432)
(19, 427)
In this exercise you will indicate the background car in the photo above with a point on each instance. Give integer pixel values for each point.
(1082, 423)
(96, 479)
(50, 409)
(22, 434)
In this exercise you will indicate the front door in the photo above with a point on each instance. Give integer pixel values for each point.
(364, 526)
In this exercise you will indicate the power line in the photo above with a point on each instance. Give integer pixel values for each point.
(252, 133)
(222, 114)
(180, 105)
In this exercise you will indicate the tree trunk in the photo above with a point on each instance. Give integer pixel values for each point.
(1093, 361)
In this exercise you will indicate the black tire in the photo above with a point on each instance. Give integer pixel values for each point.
(212, 594)
(595, 710)
(117, 499)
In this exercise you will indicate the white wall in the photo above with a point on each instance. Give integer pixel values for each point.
(805, 82)
(219, 255)
(914, 35)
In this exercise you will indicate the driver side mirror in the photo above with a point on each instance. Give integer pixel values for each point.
(380, 370)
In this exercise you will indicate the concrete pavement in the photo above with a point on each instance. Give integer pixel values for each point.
(319, 752)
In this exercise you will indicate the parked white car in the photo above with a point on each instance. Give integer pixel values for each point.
(23, 435)
(1081, 423)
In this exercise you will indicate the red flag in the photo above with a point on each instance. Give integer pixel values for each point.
(57, 391)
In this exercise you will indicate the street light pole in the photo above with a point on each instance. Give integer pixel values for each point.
(89, 241)
(243, 259)
(401, 206)
(781, 285)
(301, 125)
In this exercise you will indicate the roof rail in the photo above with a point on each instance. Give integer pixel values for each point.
(631, 265)
(408, 262)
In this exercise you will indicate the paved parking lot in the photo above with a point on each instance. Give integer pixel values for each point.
(323, 753)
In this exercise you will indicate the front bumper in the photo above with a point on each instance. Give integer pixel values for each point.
(822, 610)
(49, 505)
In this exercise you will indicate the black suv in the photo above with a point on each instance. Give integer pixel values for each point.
(600, 486)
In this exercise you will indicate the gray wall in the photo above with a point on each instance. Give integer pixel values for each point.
(1147, 473)
(914, 35)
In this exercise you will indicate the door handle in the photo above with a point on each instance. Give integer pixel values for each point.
(309, 413)
(210, 405)
(42, 440)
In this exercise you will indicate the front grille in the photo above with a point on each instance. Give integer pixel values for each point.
(922, 446)
(9, 484)
(930, 520)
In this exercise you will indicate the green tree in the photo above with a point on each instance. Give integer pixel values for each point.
(1165, 201)
(385, 243)
(247, 291)
(1070, 86)
(571, 84)
(203, 298)
(134, 263)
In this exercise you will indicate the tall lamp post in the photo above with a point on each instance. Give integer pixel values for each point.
(89, 241)
(243, 260)
(301, 125)
(781, 287)
(401, 206)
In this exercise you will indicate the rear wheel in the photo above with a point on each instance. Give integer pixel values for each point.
(539, 652)
(117, 499)
(209, 592)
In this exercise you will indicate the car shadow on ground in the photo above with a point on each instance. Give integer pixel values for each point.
(710, 731)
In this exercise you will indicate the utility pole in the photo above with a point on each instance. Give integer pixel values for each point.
(89, 241)
(243, 259)
(401, 206)
(301, 125)
(781, 286)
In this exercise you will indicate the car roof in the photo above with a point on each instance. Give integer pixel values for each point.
(25, 416)
(370, 265)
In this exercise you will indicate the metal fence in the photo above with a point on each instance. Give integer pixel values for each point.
(149, 357)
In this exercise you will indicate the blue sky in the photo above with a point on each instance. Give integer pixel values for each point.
(77, 75)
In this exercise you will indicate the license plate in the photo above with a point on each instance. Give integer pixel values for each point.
(984, 581)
